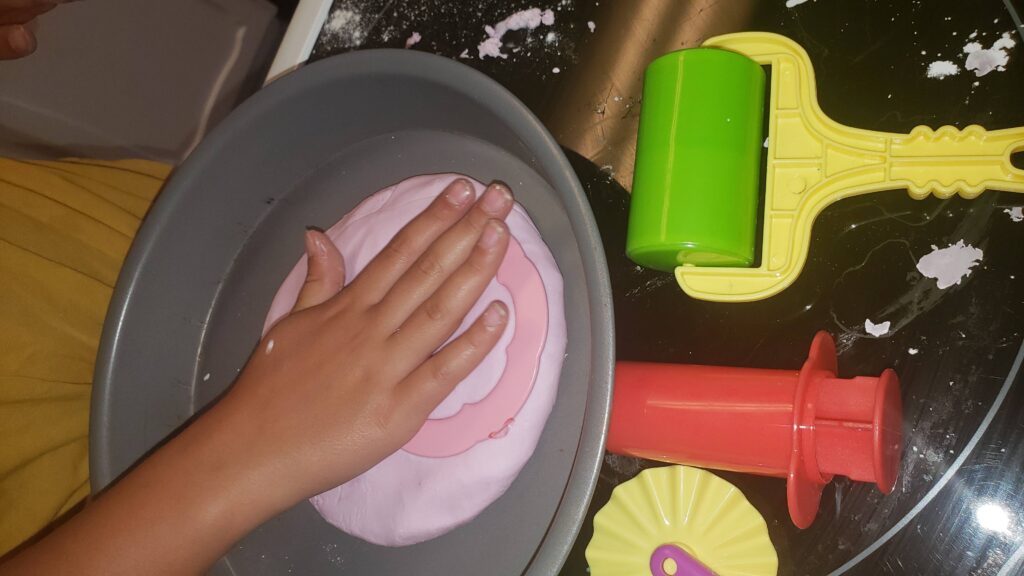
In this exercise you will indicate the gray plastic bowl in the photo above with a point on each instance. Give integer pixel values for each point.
(228, 227)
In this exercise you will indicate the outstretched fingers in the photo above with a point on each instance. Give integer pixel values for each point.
(437, 377)
(377, 279)
(437, 318)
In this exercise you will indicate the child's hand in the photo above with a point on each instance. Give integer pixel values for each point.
(338, 385)
(351, 374)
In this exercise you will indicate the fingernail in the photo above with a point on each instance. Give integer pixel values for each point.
(495, 315)
(315, 247)
(21, 42)
(459, 192)
(496, 199)
(493, 232)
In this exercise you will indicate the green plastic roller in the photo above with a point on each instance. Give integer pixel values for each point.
(695, 185)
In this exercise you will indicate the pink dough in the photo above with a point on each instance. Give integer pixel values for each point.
(409, 498)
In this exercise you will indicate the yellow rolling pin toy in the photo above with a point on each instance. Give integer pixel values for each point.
(695, 189)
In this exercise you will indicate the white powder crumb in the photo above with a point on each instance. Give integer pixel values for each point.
(523, 20)
(464, 54)
(345, 27)
(942, 68)
(206, 377)
(550, 38)
(491, 47)
(912, 351)
(949, 265)
(876, 330)
(765, 143)
(792, 3)
(984, 60)
(270, 346)
(1004, 42)
(556, 69)
(413, 39)
(973, 35)
(592, 26)
(1016, 213)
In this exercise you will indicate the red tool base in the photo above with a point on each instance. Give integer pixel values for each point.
(804, 426)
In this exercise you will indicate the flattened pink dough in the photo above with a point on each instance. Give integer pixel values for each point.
(407, 498)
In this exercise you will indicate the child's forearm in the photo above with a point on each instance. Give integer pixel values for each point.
(176, 513)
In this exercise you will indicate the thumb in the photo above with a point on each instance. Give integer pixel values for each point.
(16, 40)
(325, 276)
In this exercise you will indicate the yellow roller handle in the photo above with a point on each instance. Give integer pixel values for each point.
(948, 161)
(814, 161)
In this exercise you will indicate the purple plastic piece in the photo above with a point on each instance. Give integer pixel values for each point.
(686, 565)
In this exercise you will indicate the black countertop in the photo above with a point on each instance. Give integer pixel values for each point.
(962, 392)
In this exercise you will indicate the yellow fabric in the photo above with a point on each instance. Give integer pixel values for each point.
(64, 230)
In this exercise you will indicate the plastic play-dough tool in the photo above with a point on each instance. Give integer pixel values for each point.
(805, 426)
(695, 187)
(680, 521)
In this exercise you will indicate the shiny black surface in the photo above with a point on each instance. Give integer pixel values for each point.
(963, 469)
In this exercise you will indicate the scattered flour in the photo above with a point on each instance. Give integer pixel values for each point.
(345, 27)
(942, 68)
(791, 3)
(523, 20)
(206, 377)
(1016, 213)
(912, 351)
(592, 26)
(413, 39)
(984, 60)
(949, 265)
(876, 330)
(556, 69)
